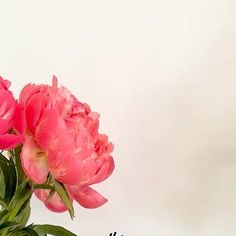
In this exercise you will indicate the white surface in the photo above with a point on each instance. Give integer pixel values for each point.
(162, 75)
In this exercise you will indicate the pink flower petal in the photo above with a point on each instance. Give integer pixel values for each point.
(19, 120)
(54, 85)
(52, 135)
(54, 204)
(4, 126)
(86, 196)
(34, 161)
(10, 141)
(51, 132)
(90, 169)
(7, 105)
(105, 170)
(92, 123)
(84, 144)
(4, 84)
(97, 170)
(33, 111)
(102, 145)
(64, 166)
(28, 91)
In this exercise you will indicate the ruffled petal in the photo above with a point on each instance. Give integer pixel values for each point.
(10, 141)
(34, 161)
(86, 196)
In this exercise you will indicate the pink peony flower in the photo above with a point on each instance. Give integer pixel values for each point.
(7, 109)
(62, 139)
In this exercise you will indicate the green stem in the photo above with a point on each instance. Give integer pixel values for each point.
(20, 172)
(5, 232)
(3, 203)
(42, 186)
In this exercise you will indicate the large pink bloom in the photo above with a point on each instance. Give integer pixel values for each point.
(7, 110)
(61, 138)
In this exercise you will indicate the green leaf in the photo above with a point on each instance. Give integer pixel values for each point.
(12, 178)
(2, 184)
(41, 233)
(19, 201)
(23, 215)
(18, 233)
(9, 175)
(23, 200)
(53, 230)
(7, 226)
(5, 160)
(30, 231)
(19, 191)
(65, 197)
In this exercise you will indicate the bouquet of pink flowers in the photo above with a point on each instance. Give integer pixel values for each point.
(51, 147)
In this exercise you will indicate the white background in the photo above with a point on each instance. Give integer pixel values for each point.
(162, 75)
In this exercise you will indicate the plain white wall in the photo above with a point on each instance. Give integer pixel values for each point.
(162, 75)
